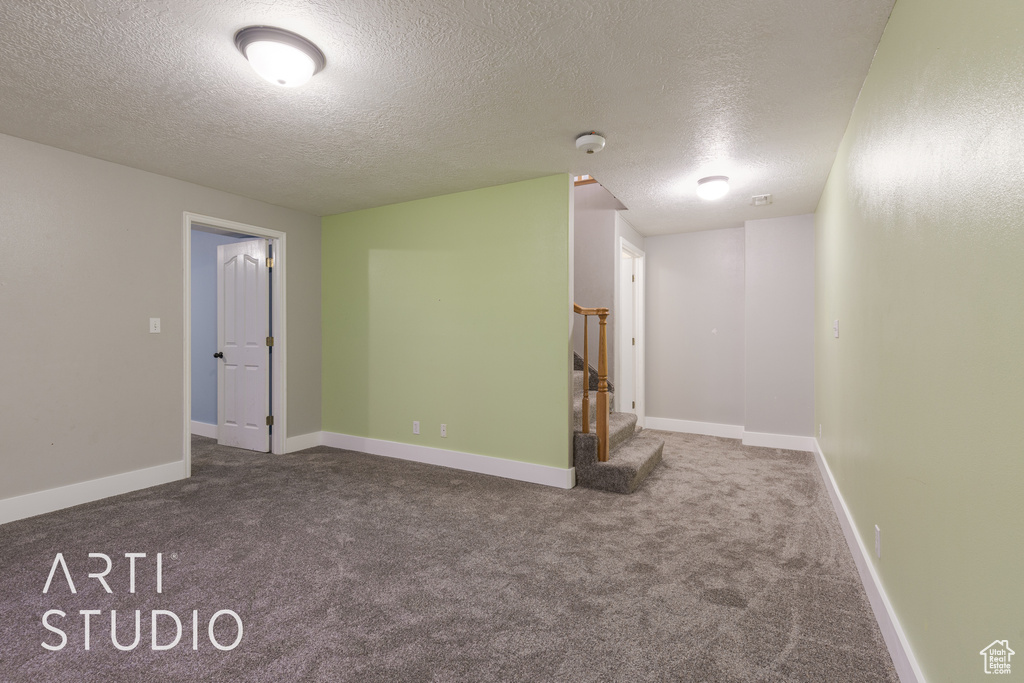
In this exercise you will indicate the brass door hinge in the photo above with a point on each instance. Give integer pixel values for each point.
(634, 404)
(270, 341)
(634, 341)
(634, 278)
(270, 420)
(270, 262)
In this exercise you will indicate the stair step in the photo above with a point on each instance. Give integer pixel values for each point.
(577, 407)
(578, 378)
(577, 383)
(628, 464)
(578, 367)
(621, 426)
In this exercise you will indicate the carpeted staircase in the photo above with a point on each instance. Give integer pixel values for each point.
(632, 454)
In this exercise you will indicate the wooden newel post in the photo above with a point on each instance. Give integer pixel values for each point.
(602, 391)
(586, 380)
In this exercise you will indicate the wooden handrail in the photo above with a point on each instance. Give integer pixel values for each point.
(589, 311)
(602, 378)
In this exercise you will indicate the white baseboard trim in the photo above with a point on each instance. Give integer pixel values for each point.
(470, 462)
(292, 443)
(895, 639)
(791, 443)
(690, 427)
(41, 502)
(204, 429)
(303, 441)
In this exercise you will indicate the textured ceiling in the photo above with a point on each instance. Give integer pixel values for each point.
(426, 97)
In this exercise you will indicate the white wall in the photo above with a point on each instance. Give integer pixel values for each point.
(779, 376)
(695, 326)
(594, 263)
(623, 228)
(95, 249)
(730, 316)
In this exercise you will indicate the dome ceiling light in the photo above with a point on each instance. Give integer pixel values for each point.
(713, 187)
(281, 57)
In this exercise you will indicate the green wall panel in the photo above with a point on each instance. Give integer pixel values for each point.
(452, 310)
(920, 246)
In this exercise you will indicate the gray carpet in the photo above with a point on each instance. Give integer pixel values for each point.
(727, 565)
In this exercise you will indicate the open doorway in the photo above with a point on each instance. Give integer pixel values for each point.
(630, 342)
(246, 246)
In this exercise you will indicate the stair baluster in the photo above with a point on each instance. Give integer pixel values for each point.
(602, 378)
(602, 389)
(586, 379)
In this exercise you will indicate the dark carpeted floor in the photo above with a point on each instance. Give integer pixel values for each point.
(727, 565)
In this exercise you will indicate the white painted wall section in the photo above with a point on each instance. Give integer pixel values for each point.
(695, 327)
(730, 325)
(111, 403)
(594, 256)
(779, 315)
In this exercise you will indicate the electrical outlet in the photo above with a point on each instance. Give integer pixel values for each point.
(415, 426)
(444, 430)
(154, 325)
(878, 542)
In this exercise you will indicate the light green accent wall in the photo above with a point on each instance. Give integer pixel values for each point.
(452, 310)
(920, 255)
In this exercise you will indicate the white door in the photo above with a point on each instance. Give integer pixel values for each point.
(243, 331)
(625, 382)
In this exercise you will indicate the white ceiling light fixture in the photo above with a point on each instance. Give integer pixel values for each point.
(590, 142)
(281, 57)
(713, 187)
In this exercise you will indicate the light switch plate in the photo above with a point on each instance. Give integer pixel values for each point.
(154, 325)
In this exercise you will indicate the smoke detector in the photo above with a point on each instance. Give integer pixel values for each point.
(761, 199)
(590, 142)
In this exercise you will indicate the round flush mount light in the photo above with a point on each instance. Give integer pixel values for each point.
(590, 142)
(713, 187)
(281, 57)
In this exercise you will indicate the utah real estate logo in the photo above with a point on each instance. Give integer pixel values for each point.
(997, 657)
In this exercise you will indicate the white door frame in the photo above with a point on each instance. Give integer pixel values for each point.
(624, 334)
(279, 371)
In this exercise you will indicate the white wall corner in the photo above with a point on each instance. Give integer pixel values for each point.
(50, 500)
(786, 441)
(558, 477)
(892, 632)
(304, 441)
(691, 427)
(203, 429)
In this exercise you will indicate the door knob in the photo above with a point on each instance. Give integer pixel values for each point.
(219, 354)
